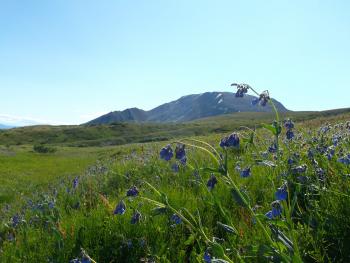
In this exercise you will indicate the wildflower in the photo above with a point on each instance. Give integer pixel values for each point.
(133, 191)
(299, 169)
(276, 209)
(264, 98)
(176, 219)
(180, 152)
(336, 139)
(85, 260)
(183, 161)
(136, 217)
(282, 193)
(16, 220)
(207, 257)
(212, 182)
(245, 172)
(345, 159)
(269, 215)
(120, 208)
(166, 153)
(290, 161)
(290, 134)
(231, 141)
(51, 205)
(241, 89)
(288, 124)
(75, 182)
(272, 148)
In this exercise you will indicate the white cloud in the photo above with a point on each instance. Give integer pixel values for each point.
(12, 120)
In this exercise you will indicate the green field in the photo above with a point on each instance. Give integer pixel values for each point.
(49, 216)
(123, 133)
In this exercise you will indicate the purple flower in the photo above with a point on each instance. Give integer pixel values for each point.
(345, 159)
(136, 217)
(16, 220)
(290, 134)
(230, 141)
(269, 215)
(282, 193)
(51, 205)
(166, 153)
(299, 169)
(272, 148)
(245, 172)
(120, 208)
(290, 161)
(133, 191)
(176, 219)
(207, 257)
(276, 209)
(180, 152)
(264, 98)
(288, 124)
(241, 89)
(75, 182)
(212, 182)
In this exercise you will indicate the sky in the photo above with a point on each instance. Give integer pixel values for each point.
(67, 62)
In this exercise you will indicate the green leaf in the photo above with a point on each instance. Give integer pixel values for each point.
(270, 127)
(238, 196)
(218, 250)
(190, 240)
(228, 228)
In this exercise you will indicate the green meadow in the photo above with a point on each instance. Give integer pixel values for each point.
(80, 203)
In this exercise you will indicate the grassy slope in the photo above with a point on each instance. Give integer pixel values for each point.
(107, 237)
(23, 171)
(123, 133)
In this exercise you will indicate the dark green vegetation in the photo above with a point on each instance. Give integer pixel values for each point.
(189, 108)
(123, 133)
(72, 209)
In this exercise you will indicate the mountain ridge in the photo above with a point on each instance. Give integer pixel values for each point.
(188, 108)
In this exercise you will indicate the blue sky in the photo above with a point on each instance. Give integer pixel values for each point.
(70, 61)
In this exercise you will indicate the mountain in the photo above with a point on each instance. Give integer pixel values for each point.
(189, 108)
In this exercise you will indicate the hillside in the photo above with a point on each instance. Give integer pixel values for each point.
(123, 133)
(188, 108)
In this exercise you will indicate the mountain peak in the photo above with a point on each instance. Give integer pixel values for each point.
(188, 108)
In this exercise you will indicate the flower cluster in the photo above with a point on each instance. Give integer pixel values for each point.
(241, 89)
(262, 100)
(230, 141)
(289, 125)
(166, 153)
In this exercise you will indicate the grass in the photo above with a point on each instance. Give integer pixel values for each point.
(24, 171)
(61, 218)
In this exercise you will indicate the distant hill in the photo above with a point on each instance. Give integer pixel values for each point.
(188, 108)
(126, 132)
